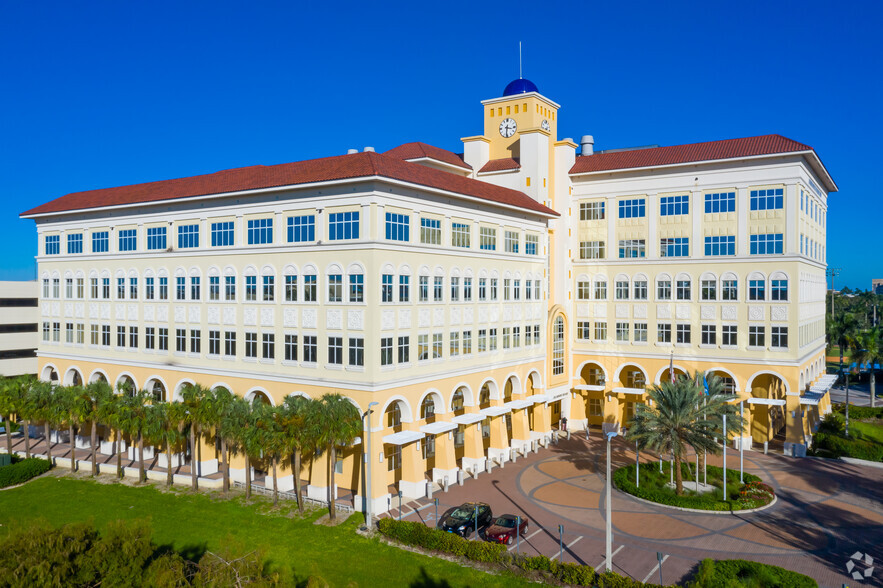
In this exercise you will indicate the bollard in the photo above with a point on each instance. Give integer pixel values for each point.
(428, 488)
(766, 446)
(460, 477)
(445, 483)
(488, 465)
(513, 454)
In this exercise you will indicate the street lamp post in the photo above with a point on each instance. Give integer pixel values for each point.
(609, 540)
(367, 433)
(741, 438)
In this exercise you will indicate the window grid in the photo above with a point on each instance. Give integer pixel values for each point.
(720, 202)
(674, 247)
(75, 243)
(398, 227)
(222, 234)
(767, 244)
(430, 231)
(343, 225)
(674, 205)
(720, 245)
(302, 228)
(769, 199)
(632, 208)
(632, 248)
(188, 236)
(156, 238)
(260, 231)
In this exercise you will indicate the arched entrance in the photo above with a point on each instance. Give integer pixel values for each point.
(767, 403)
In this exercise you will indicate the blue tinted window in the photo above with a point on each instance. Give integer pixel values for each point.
(53, 244)
(128, 239)
(100, 242)
(156, 238)
(301, 228)
(674, 205)
(260, 231)
(188, 236)
(720, 245)
(766, 244)
(75, 243)
(674, 247)
(632, 208)
(398, 227)
(222, 234)
(343, 225)
(771, 199)
(720, 202)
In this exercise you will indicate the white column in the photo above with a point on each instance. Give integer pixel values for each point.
(697, 210)
(653, 226)
(742, 202)
(792, 207)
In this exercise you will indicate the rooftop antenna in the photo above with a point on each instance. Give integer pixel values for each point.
(520, 76)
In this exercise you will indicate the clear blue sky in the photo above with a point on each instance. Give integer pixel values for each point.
(101, 94)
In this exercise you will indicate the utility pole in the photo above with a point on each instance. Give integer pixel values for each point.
(832, 271)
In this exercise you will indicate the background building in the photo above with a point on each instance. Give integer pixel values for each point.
(19, 336)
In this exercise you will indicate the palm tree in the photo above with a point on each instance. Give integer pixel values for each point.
(110, 415)
(23, 387)
(133, 418)
(336, 422)
(163, 427)
(246, 418)
(868, 348)
(43, 409)
(66, 399)
(272, 437)
(681, 417)
(842, 330)
(222, 413)
(96, 395)
(198, 412)
(293, 419)
(7, 408)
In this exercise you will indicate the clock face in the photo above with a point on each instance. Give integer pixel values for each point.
(507, 128)
(545, 125)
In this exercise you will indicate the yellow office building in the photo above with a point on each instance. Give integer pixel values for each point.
(478, 298)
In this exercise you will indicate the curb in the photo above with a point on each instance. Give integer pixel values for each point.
(703, 511)
(862, 462)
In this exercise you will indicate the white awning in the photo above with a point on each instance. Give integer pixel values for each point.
(629, 390)
(518, 404)
(590, 387)
(537, 398)
(494, 411)
(811, 399)
(468, 419)
(438, 427)
(403, 438)
(767, 401)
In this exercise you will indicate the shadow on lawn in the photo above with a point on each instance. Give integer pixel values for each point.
(424, 580)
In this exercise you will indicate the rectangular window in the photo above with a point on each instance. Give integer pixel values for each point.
(251, 345)
(260, 231)
(437, 345)
(674, 205)
(683, 290)
(622, 290)
(600, 290)
(214, 342)
(310, 289)
(343, 225)
(268, 345)
(230, 343)
(81, 334)
(683, 333)
(357, 288)
(100, 242)
(511, 240)
(779, 337)
(121, 288)
(531, 243)
(149, 336)
(128, 239)
(181, 340)
(404, 349)
(467, 289)
(663, 333)
(756, 290)
(482, 340)
(404, 288)
(75, 243)
(422, 347)
(756, 336)
(766, 244)
(430, 231)
(728, 335)
(188, 236)
(195, 341)
(709, 335)
(121, 336)
(251, 288)
(335, 288)
(386, 288)
(335, 350)
(709, 290)
(600, 331)
(492, 340)
(311, 349)
(583, 290)
(482, 289)
(770, 199)
(53, 245)
(583, 331)
(640, 332)
(595, 408)
(386, 351)
(156, 238)
(229, 288)
(460, 235)
(663, 290)
(632, 208)
(68, 288)
(455, 289)
(779, 289)
(640, 290)
(105, 288)
(222, 234)
(674, 247)
(180, 288)
(438, 288)
(214, 288)
(454, 347)
(591, 211)
(93, 288)
(398, 227)
(507, 338)
(629, 248)
(729, 290)
(622, 332)
(162, 343)
(720, 245)
(467, 342)
(195, 288)
(487, 239)
(69, 333)
(720, 202)
(507, 288)
(302, 229)
(591, 250)
(290, 347)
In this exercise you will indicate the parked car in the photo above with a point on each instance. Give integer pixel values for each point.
(503, 530)
(462, 519)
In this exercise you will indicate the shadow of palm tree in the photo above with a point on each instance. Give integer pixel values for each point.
(424, 580)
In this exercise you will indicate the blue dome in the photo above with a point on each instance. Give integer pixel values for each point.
(520, 86)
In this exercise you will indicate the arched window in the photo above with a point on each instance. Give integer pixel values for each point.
(427, 407)
(558, 346)
(393, 415)
(484, 397)
(457, 401)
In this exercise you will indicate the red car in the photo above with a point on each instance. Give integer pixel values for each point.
(503, 529)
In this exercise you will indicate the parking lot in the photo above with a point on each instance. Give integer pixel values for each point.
(826, 511)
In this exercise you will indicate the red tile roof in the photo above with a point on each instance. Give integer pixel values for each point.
(504, 164)
(341, 167)
(712, 150)
(417, 150)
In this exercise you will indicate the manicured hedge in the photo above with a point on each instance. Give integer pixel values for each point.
(739, 572)
(23, 470)
(837, 446)
(861, 412)
(419, 535)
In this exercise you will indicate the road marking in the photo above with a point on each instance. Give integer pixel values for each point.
(598, 567)
(656, 567)
(525, 538)
(566, 547)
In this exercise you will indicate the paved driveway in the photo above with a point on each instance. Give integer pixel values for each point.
(826, 511)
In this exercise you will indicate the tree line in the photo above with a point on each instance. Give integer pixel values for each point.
(852, 324)
(299, 428)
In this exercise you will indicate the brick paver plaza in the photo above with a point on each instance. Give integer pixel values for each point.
(826, 511)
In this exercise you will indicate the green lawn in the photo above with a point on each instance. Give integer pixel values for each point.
(870, 430)
(200, 522)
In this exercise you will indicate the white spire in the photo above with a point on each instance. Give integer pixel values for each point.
(520, 76)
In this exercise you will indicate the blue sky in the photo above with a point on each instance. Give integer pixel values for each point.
(100, 94)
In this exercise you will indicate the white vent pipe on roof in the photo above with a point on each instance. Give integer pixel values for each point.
(588, 144)
(369, 149)
(351, 151)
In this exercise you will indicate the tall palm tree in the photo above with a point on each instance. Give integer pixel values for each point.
(196, 400)
(163, 427)
(222, 411)
(23, 387)
(293, 420)
(681, 417)
(842, 329)
(336, 422)
(272, 437)
(7, 408)
(110, 416)
(66, 399)
(868, 348)
(133, 418)
(43, 409)
(95, 395)
(247, 419)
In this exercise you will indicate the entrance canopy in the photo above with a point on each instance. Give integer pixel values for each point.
(403, 438)
(767, 401)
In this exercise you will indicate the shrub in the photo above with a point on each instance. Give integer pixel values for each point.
(485, 552)
(739, 572)
(575, 574)
(23, 470)
(838, 446)
(860, 412)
